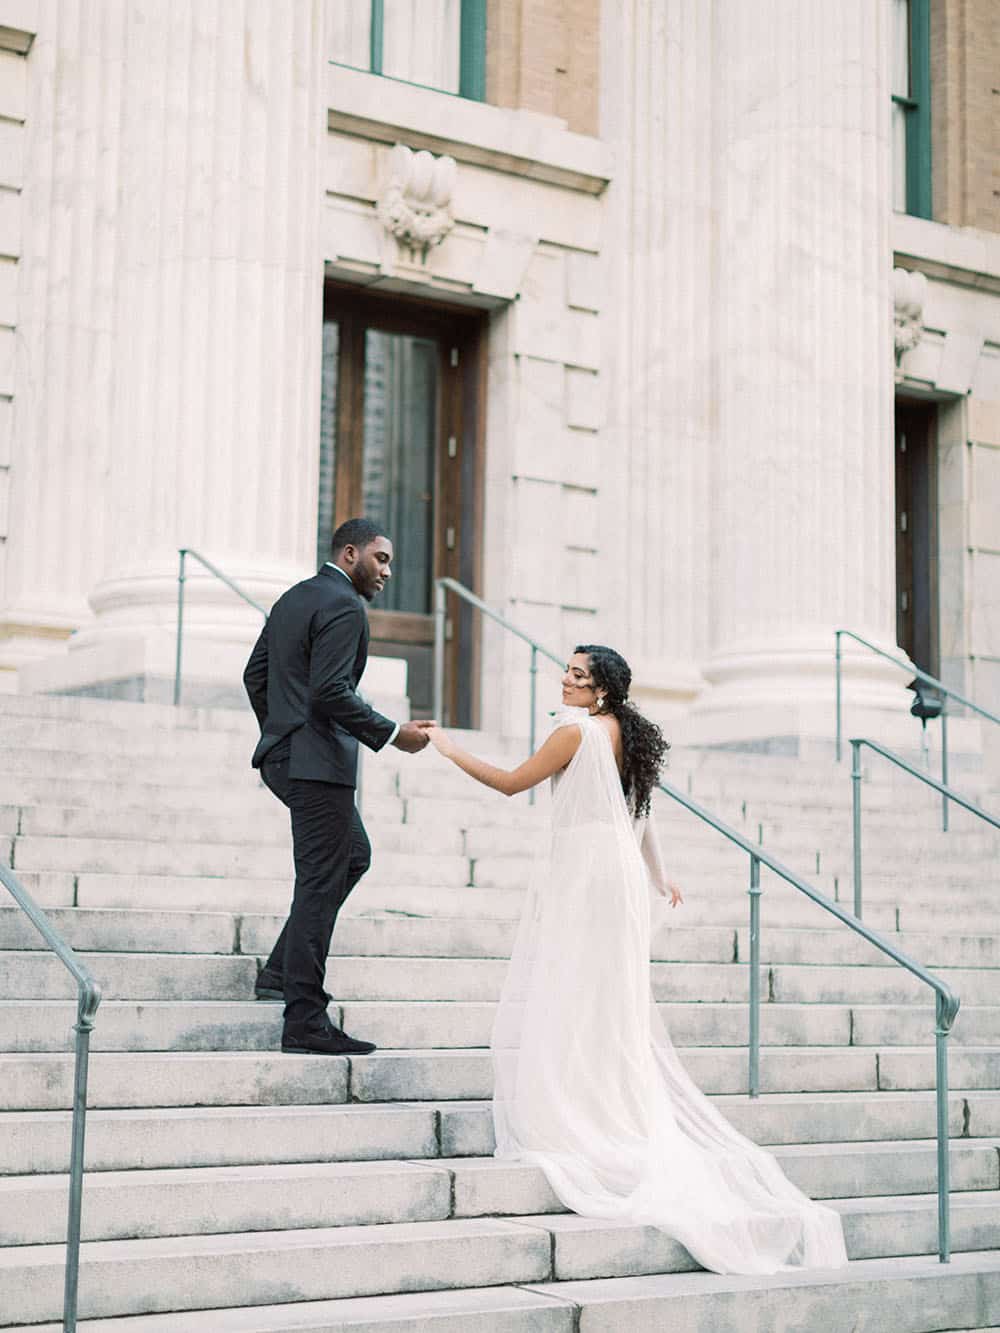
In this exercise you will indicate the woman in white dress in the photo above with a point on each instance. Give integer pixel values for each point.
(587, 1085)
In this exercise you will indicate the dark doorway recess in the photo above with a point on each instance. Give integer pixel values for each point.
(917, 534)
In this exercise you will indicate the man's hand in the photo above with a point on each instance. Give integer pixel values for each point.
(412, 737)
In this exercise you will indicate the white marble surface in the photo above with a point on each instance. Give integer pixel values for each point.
(212, 430)
(802, 473)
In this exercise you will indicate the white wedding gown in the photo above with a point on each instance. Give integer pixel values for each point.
(587, 1083)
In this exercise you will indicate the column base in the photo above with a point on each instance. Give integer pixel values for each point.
(26, 638)
(141, 670)
(666, 692)
(780, 698)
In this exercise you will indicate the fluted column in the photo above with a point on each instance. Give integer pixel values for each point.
(63, 363)
(802, 467)
(657, 108)
(215, 423)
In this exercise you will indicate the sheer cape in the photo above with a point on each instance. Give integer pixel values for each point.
(588, 1086)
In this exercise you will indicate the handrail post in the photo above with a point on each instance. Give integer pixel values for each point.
(941, 1029)
(84, 1026)
(753, 1078)
(534, 707)
(839, 720)
(440, 627)
(180, 627)
(856, 821)
(944, 763)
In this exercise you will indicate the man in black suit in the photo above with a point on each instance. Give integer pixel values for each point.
(302, 680)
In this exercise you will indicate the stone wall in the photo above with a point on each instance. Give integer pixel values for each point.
(544, 55)
(965, 112)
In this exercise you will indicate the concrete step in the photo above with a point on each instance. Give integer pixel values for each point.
(195, 1272)
(273, 896)
(123, 1205)
(916, 1289)
(135, 717)
(226, 800)
(832, 840)
(922, 1294)
(456, 1075)
(119, 1277)
(120, 856)
(221, 1025)
(32, 975)
(242, 1025)
(45, 1082)
(121, 930)
(169, 1137)
(506, 1309)
(932, 948)
(267, 828)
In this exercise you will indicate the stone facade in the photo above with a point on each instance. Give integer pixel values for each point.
(687, 273)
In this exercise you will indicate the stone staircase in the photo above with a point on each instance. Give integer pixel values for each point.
(231, 1187)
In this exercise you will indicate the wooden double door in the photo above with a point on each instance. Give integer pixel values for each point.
(401, 442)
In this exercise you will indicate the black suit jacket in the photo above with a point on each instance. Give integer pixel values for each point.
(302, 680)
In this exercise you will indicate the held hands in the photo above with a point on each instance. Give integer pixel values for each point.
(441, 741)
(413, 737)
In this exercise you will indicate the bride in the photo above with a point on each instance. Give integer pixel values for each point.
(587, 1085)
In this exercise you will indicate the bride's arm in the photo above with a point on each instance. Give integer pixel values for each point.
(550, 758)
(653, 857)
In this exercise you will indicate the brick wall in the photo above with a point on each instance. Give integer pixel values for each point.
(965, 112)
(543, 55)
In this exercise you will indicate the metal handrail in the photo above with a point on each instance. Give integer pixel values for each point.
(947, 792)
(944, 690)
(88, 999)
(442, 587)
(184, 552)
(946, 1001)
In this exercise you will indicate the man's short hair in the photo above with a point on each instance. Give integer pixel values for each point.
(355, 532)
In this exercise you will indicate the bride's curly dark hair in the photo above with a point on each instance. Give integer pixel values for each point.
(643, 743)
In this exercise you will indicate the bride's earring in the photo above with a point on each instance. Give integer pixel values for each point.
(600, 701)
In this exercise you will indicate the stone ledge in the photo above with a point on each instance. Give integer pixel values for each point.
(962, 255)
(520, 143)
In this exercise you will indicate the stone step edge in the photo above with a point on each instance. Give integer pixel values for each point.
(168, 1176)
(566, 1302)
(224, 1240)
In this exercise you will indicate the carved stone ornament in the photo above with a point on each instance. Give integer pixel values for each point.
(416, 204)
(909, 292)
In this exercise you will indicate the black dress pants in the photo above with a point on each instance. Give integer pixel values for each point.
(332, 852)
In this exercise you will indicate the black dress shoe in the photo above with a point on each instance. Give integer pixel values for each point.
(327, 1040)
(270, 985)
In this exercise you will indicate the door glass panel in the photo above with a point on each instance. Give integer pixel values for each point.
(400, 427)
(327, 441)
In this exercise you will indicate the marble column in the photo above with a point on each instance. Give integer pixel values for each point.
(62, 367)
(657, 96)
(802, 461)
(214, 426)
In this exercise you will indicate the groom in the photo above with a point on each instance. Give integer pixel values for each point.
(302, 679)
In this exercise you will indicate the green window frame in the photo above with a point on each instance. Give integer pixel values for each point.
(472, 47)
(917, 109)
